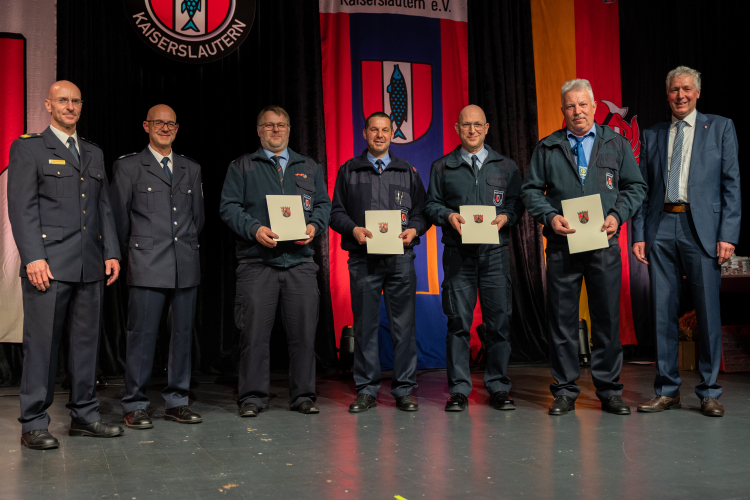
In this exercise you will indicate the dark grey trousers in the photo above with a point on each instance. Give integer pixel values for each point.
(44, 318)
(260, 288)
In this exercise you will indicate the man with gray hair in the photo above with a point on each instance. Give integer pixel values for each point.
(559, 171)
(687, 226)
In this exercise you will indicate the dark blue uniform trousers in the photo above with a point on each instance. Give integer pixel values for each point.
(44, 318)
(676, 252)
(394, 275)
(145, 306)
(602, 270)
(260, 288)
(463, 276)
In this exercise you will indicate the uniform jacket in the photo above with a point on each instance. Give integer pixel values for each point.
(452, 184)
(400, 188)
(59, 209)
(158, 221)
(243, 204)
(713, 185)
(613, 174)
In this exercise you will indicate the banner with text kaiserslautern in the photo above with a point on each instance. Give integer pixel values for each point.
(377, 55)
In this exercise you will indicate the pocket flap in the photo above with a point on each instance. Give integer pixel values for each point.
(497, 180)
(186, 189)
(96, 173)
(52, 233)
(607, 161)
(149, 187)
(194, 244)
(306, 183)
(58, 170)
(405, 200)
(142, 242)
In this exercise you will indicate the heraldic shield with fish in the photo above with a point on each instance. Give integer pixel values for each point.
(192, 18)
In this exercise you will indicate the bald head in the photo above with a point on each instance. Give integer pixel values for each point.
(162, 112)
(472, 128)
(64, 105)
(161, 127)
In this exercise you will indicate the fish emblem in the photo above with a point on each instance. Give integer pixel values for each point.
(191, 6)
(398, 100)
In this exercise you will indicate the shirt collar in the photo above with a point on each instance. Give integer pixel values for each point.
(689, 119)
(481, 155)
(63, 136)
(160, 157)
(590, 133)
(385, 159)
(284, 154)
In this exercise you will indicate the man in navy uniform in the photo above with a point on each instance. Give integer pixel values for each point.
(158, 206)
(271, 272)
(475, 174)
(688, 226)
(62, 223)
(379, 180)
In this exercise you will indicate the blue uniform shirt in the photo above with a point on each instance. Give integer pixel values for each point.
(386, 160)
(283, 161)
(481, 156)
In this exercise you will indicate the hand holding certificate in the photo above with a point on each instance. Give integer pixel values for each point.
(385, 226)
(286, 217)
(585, 216)
(477, 227)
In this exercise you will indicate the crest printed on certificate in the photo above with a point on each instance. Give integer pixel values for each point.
(287, 217)
(479, 228)
(585, 215)
(385, 226)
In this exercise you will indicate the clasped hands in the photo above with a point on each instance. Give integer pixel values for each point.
(562, 227)
(362, 233)
(456, 220)
(39, 273)
(265, 236)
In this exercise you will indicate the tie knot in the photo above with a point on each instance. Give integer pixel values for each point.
(165, 161)
(276, 159)
(681, 124)
(379, 163)
(474, 158)
(71, 141)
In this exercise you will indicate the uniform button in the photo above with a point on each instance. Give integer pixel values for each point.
(149, 189)
(84, 212)
(84, 228)
(175, 239)
(136, 245)
(175, 223)
(174, 208)
(44, 236)
(83, 196)
(99, 176)
(81, 179)
(189, 191)
(58, 173)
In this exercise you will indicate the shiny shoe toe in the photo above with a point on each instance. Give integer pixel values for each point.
(308, 408)
(363, 403)
(501, 400)
(95, 429)
(138, 419)
(711, 407)
(456, 402)
(39, 439)
(616, 406)
(248, 410)
(407, 403)
(562, 405)
(660, 403)
(182, 414)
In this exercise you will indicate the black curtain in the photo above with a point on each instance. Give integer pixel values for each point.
(216, 105)
(502, 82)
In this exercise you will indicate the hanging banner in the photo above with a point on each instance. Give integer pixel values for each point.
(420, 77)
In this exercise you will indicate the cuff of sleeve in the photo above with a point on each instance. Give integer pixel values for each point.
(548, 218)
(617, 217)
(446, 215)
(253, 231)
(37, 260)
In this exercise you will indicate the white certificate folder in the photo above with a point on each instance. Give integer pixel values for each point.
(385, 226)
(479, 228)
(585, 215)
(286, 217)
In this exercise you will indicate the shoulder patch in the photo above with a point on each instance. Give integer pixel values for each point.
(125, 156)
(90, 142)
(187, 157)
(28, 136)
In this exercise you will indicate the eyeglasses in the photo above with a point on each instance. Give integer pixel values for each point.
(159, 124)
(63, 101)
(469, 126)
(270, 126)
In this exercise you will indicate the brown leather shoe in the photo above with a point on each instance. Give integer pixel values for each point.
(711, 407)
(660, 403)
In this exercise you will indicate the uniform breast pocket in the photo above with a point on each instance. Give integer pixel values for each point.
(401, 200)
(148, 196)
(306, 189)
(96, 175)
(58, 181)
(497, 185)
(186, 198)
(609, 175)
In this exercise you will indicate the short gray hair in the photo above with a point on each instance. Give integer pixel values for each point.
(577, 84)
(684, 70)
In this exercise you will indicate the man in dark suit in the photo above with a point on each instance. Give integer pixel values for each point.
(63, 226)
(688, 226)
(157, 201)
(379, 180)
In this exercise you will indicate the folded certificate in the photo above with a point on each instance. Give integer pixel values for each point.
(286, 216)
(385, 226)
(478, 227)
(585, 215)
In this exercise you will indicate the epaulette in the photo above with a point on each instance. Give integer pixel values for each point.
(241, 156)
(90, 142)
(186, 157)
(125, 156)
(29, 136)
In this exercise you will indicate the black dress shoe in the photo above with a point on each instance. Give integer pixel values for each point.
(39, 439)
(562, 405)
(183, 415)
(138, 419)
(363, 403)
(501, 400)
(308, 408)
(95, 429)
(248, 410)
(456, 402)
(407, 403)
(615, 404)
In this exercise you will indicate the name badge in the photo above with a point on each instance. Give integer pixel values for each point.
(57, 162)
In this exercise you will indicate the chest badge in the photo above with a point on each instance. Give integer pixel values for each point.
(610, 178)
(286, 211)
(57, 162)
(478, 218)
(497, 199)
(307, 202)
(583, 216)
(383, 227)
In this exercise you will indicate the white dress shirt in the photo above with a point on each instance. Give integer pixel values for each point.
(63, 136)
(688, 132)
(159, 157)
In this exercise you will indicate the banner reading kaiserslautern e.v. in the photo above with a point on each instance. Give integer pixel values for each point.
(408, 58)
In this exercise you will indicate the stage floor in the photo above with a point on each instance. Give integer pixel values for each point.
(382, 453)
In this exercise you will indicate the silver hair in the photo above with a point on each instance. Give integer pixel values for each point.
(684, 70)
(577, 84)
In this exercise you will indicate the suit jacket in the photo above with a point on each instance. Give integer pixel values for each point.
(713, 185)
(59, 208)
(158, 221)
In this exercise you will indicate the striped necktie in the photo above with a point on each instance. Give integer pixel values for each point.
(673, 187)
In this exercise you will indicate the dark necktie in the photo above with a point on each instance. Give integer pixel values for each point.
(279, 170)
(165, 163)
(73, 150)
(673, 189)
(474, 160)
(583, 165)
(379, 166)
